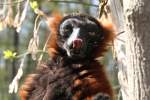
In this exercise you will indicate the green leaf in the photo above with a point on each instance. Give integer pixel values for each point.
(34, 5)
(8, 54)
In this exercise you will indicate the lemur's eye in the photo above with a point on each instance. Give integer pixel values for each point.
(67, 30)
(92, 33)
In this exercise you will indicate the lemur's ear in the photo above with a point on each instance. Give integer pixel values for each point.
(109, 35)
(110, 29)
(53, 23)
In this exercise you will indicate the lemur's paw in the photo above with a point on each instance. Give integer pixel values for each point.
(101, 96)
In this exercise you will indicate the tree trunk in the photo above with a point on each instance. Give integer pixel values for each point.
(137, 27)
(117, 17)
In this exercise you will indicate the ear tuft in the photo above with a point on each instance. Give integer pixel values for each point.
(110, 29)
(109, 35)
(53, 23)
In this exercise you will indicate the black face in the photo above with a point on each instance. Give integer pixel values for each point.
(79, 35)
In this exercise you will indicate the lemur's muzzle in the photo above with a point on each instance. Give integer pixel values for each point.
(74, 43)
(77, 43)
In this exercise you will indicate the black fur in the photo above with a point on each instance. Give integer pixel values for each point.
(74, 76)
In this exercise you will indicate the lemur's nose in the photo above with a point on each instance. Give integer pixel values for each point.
(77, 43)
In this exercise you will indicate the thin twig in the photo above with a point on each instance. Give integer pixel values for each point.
(21, 55)
(12, 3)
(22, 16)
(44, 50)
(75, 2)
(13, 86)
(120, 33)
(102, 5)
(35, 26)
(120, 40)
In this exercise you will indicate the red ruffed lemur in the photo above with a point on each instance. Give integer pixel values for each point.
(73, 73)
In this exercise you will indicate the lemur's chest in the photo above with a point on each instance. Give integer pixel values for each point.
(63, 82)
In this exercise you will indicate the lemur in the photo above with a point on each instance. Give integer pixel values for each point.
(73, 73)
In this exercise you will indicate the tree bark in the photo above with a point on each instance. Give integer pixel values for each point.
(117, 17)
(137, 27)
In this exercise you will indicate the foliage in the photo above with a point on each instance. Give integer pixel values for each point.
(8, 54)
(34, 5)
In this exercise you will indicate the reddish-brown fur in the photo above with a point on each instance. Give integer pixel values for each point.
(53, 24)
(92, 83)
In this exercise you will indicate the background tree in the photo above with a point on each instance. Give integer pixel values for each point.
(137, 22)
(132, 47)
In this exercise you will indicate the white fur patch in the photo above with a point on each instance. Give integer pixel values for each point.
(72, 37)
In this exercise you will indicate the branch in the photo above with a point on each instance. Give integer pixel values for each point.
(13, 86)
(102, 5)
(44, 50)
(14, 2)
(75, 2)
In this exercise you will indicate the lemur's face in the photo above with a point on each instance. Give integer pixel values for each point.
(78, 36)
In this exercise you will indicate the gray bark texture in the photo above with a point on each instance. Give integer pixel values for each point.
(137, 28)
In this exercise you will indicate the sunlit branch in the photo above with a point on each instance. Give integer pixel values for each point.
(13, 2)
(75, 2)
